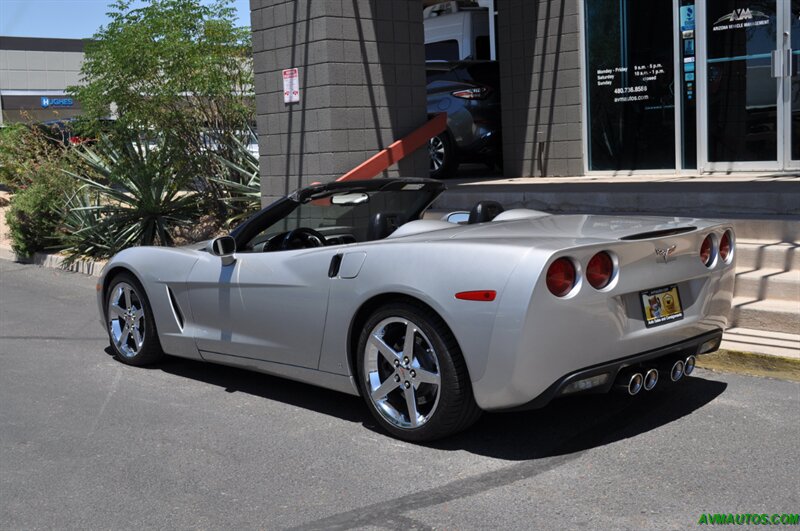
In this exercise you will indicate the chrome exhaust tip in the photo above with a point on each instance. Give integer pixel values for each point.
(677, 370)
(650, 379)
(635, 383)
(688, 365)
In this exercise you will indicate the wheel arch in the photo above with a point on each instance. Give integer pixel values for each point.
(367, 308)
(113, 273)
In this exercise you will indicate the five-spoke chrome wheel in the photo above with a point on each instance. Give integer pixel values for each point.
(126, 319)
(412, 374)
(402, 374)
(129, 321)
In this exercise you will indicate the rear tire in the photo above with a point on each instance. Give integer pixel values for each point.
(443, 156)
(419, 397)
(129, 322)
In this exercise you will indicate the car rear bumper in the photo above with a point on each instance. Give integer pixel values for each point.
(698, 345)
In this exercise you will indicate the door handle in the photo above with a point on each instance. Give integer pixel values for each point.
(775, 63)
(791, 70)
(336, 262)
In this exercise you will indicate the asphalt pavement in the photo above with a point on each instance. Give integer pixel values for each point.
(88, 443)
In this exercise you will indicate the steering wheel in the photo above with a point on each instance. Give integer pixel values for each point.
(302, 238)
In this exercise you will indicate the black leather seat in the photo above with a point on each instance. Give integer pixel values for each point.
(381, 225)
(484, 211)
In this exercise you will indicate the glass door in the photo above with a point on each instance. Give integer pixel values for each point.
(742, 95)
(792, 84)
(751, 85)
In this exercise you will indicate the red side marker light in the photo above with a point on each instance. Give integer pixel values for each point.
(480, 295)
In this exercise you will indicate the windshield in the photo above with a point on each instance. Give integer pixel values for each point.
(348, 216)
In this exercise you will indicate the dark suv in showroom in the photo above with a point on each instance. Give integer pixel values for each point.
(469, 92)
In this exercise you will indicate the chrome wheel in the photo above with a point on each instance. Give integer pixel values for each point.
(401, 372)
(126, 319)
(436, 151)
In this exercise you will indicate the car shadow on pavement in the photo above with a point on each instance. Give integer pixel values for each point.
(570, 425)
(565, 426)
(235, 380)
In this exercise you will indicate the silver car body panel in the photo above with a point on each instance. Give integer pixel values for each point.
(280, 313)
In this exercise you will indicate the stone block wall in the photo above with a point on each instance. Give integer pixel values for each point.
(539, 53)
(362, 86)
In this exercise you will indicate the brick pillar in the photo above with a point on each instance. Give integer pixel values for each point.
(362, 86)
(540, 70)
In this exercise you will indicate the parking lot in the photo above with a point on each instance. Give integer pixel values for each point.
(86, 442)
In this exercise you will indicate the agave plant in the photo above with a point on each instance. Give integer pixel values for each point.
(131, 194)
(240, 187)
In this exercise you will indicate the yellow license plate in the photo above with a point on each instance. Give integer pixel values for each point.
(661, 305)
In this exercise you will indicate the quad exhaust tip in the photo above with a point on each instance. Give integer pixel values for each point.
(650, 379)
(677, 370)
(688, 365)
(635, 383)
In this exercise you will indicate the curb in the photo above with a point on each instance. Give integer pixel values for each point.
(751, 364)
(91, 268)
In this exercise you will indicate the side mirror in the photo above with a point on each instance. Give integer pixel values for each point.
(224, 247)
(458, 218)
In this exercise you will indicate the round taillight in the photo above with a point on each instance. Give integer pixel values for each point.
(561, 277)
(707, 251)
(725, 245)
(599, 270)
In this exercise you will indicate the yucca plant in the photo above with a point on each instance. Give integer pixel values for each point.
(131, 194)
(240, 187)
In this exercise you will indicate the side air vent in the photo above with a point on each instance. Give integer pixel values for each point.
(658, 233)
(175, 308)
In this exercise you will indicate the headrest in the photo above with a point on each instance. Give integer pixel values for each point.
(484, 211)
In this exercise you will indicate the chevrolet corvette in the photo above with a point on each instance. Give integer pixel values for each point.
(350, 287)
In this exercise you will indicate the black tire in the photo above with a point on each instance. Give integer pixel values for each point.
(132, 352)
(454, 410)
(443, 156)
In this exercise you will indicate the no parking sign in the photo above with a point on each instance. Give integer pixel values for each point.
(291, 85)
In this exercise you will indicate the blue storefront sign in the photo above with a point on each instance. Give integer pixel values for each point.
(56, 102)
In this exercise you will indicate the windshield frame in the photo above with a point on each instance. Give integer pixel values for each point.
(284, 206)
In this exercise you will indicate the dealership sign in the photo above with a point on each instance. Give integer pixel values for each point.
(741, 18)
(56, 102)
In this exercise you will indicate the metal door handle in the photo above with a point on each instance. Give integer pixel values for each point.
(775, 63)
(790, 69)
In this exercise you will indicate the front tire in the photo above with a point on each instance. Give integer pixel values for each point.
(412, 374)
(129, 322)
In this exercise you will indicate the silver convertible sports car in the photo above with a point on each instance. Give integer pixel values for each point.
(346, 286)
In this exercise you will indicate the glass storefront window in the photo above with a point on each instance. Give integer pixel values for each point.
(630, 80)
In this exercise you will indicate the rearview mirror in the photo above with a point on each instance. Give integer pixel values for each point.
(356, 198)
(458, 218)
(224, 247)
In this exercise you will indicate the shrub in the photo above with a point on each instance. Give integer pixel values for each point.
(23, 152)
(35, 213)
